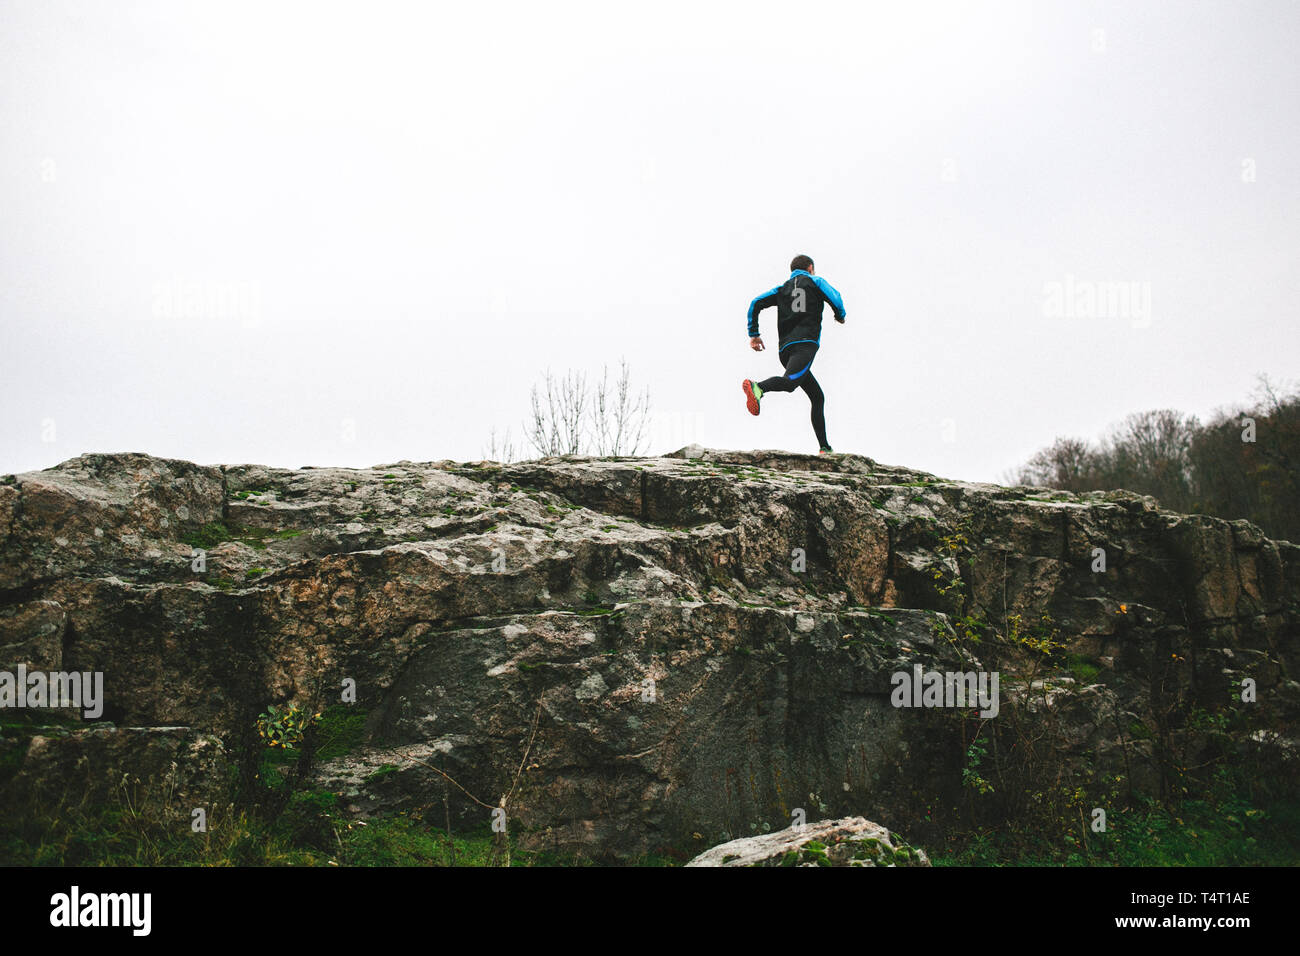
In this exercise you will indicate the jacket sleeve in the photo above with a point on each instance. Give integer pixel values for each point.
(758, 305)
(833, 297)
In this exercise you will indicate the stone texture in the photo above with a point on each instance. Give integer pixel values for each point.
(621, 651)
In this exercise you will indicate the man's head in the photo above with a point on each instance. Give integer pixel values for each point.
(802, 262)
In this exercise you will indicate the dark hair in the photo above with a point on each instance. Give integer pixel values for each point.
(800, 262)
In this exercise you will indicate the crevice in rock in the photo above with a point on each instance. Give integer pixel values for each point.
(30, 591)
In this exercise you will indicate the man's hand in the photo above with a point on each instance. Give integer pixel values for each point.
(756, 343)
(839, 319)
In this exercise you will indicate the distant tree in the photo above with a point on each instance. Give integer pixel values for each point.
(500, 449)
(1259, 479)
(1068, 463)
(559, 413)
(572, 415)
(619, 418)
(1150, 451)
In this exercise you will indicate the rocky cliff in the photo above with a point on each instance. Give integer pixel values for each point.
(631, 654)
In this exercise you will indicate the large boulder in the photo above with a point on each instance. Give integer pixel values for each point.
(635, 654)
(852, 841)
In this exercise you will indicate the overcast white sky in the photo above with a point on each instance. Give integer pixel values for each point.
(348, 234)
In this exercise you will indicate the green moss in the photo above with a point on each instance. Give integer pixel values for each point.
(814, 851)
(340, 729)
(257, 537)
(209, 536)
(216, 532)
(19, 726)
(245, 493)
(1083, 669)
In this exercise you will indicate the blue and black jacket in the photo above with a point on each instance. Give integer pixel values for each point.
(798, 302)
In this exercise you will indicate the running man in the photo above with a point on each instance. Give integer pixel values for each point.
(798, 304)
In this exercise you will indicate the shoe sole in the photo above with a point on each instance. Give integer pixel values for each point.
(751, 401)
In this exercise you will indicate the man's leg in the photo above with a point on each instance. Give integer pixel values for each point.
(818, 399)
(797, 360)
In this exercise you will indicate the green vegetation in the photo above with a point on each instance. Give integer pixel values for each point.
(865, 851)
(1024, 795)
(311, 831)
(216, 532)
(282, 824)
(1226, 827)
(256, 491)
(209, 536)
(600, 610)
(17, 727)
(1083, 669)
(340, 729)
(283, 727)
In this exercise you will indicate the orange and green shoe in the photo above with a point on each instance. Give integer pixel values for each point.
(752, 394)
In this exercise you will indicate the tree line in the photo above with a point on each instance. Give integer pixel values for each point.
(1242, 463)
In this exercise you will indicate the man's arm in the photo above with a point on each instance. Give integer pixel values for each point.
(758, 305)
(833, 297)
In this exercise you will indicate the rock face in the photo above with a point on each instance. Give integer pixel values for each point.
(628, 654)
(852, 841)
